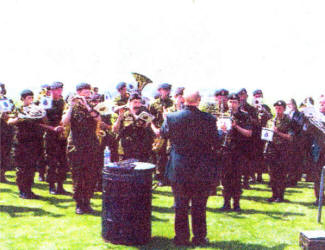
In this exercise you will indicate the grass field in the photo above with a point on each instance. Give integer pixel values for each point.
(51, 222)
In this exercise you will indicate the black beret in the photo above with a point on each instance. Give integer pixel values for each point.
(258, 92)
(221, 92)
(179, 91)
(26, 92)
(156, 95)
(56, 85)
(166, 86)
(120, 85)
(45, 86)
(82, 86)
(233, 96)
(242, 91)
(134, 96)
(280, 103)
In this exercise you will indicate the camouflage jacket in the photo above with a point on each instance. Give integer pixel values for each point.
(157, 110)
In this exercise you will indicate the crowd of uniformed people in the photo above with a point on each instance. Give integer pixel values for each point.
(72, 133)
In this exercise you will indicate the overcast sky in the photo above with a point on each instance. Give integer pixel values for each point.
(278, 46)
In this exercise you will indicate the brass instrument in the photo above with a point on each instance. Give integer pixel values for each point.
(315, 124)
(32, 112)
(141, 80)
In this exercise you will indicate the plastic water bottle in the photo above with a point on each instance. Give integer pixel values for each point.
(107, 157)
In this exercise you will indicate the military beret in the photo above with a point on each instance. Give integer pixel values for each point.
(242, 91)
(233, 96)
(26, 92)
(134, 96)
(166, 86)
(179, 91)
(156, 95)
(258, 92)
(56, 85)
(45, 86)
(221, 92)
(82, 86)
(120, 85)
(280, 103)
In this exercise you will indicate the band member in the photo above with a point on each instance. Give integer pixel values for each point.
(55, 144)
(235, 153)
(179, 99)
(123, 96)
(41, 162)
(6, 136)
(318, 153)
(248, 170)
(191, 167)
(29, 143)
(105, 137)
(82, 147)
(263, 114)
(299, 144)
(220, 104)
(135, 134)
(159, 108)
(277, 154)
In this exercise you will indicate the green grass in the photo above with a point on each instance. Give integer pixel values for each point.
(50, 223)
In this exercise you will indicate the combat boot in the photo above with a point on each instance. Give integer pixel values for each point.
(226, 205)
(52, 188)
(60, 189)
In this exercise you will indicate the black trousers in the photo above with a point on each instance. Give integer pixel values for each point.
(57, 160)
(198, 195)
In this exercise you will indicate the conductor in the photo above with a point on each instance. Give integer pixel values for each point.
(191, 167)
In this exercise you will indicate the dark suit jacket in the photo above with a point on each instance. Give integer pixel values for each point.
(193, 137)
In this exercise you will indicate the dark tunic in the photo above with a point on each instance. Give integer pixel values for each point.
(82, 152)
(55, 145)
(235, 157)
(136, 138)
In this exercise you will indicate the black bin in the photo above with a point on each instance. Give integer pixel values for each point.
(126, 213)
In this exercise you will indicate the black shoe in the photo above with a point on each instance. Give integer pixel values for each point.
(181, 242)
(225, 208)
(272, 199)
(237, 208)
(79, 210)
(88, 209)
(200, 242)
(32, 196)
(279, 200)
(52, 189)
(62, 191)
(22, 195)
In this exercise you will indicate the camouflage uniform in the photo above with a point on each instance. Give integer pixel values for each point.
(55, 145)
(28, 148)
(157, 110)
(82, 152)
(234, 157)
(278, 158)
(6, 138)
(136, 138)
(248, 170)
(120, 101)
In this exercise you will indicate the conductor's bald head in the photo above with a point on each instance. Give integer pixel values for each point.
(192, 98)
